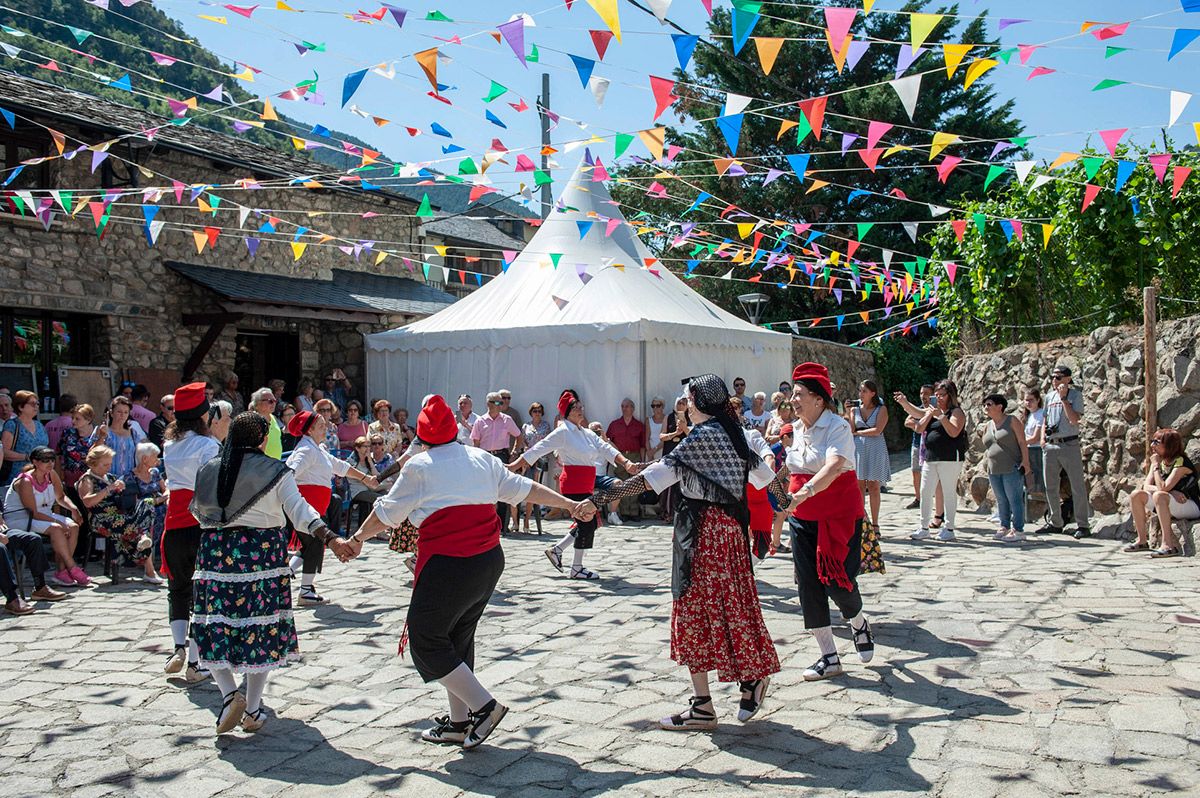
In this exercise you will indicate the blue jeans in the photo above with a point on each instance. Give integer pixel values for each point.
(1010, 499)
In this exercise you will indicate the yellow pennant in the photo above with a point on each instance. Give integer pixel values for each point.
(954, 55)
(297, 250)
(440, 249)
(922, 26)
(745, 229)
(787, 124)
(1047, 231)
(268, 113)
(201, 239)
(380, 258)
(653, 138)
(246, 75)
(976, 70)
(607, 9)
(218, 20)
(816, 186)
(867, 6)
(1064, 159)
(940, 142)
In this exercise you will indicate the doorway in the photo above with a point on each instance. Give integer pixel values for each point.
(265, 356)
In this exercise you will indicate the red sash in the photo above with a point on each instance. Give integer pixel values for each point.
(837, 510)
(461, 531)
(577, 479)
(318, 496)
(762, 515)
(178, 514)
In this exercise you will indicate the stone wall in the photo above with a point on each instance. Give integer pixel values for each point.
(848, 365)
(1108, 367)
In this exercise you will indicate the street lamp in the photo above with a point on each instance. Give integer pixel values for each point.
(754, 305)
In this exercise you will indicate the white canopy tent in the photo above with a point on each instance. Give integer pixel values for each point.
(606, 320)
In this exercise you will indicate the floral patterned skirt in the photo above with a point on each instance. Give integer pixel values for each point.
(123, 530)
(717, 625)
(242, 600)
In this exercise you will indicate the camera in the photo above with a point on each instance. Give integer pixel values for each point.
(1051, 429)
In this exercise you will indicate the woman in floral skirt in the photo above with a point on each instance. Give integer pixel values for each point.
(242, 614)
(716, 620)
(111, 512)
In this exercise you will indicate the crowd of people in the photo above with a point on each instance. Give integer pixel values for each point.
(236, 498)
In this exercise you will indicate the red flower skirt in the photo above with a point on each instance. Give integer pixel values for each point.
(718, 625)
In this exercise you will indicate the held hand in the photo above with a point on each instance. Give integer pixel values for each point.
(584, 510)
(799, 496)
(343, 549)
(634, 468)
(517, 466)
(355, 547)
(119, 485)
(371, 482)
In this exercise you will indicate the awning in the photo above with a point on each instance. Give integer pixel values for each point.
(348, 296)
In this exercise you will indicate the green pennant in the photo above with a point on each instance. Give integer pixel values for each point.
(20, 203)
(1108, 83)
(103, 224)
(1091, 166)
(921, 264)
(803, 128)
(316, 48)
(980, 222)
(437, 16)
(495, 91)
(214, 202)
(1006, 55)
(467, 167)
(1020, 141)
(395, 170)
(854, 271)
(863, 229)
(555, 257)
(425, 268)
(426, 210)
(453, 179)
(621, 143)
(867, 288)
(1110, 51)
(911, 268)
(994, 171)
(533, 54)
(80, 34)
(697, 250)
(541, 178)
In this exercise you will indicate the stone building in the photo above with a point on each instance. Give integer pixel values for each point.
(265, 264)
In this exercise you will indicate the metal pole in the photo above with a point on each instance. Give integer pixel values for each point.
(1150, 321)
(543, 107)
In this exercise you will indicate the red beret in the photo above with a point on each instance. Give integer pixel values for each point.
(565, 401)
(435, 423)
(813, 373)
(300, 423)
(190, 401)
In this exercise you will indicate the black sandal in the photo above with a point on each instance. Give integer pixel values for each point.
(693, 718)
(937, 522)
(749, 707)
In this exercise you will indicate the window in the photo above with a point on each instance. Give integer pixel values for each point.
(44, 340)
(16, 146)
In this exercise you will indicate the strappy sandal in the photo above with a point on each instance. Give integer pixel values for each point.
(232, 710)
(1164, 552)
(253, 721)
(446, 731)
(693, 718)
(749, 707)
(1136, 547)
(583, 573)
(937, 522)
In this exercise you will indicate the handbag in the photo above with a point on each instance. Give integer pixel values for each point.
(403, 539)
(872, 554)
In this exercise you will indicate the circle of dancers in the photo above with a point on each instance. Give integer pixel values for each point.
(232, 508)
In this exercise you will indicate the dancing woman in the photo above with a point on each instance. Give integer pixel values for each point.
(186, 447)
(578, 448)
(716, 620)
(449, 491)
(243, 603)
(827, 521)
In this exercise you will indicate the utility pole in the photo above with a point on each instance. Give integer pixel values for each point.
(1150, 356)
(544, 117)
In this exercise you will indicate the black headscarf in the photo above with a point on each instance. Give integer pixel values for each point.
(247, 431)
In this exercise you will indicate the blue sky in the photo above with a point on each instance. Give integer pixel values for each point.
(1059, 109)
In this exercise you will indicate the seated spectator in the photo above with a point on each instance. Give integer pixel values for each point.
(387, 430)
(232, 395)
(758, 415)
(22, 433)
(401, 416)
(354, 427)
(304, 396)
(1172, 487)
(6, 406)
(29, 506)
(166, 415)
(151, 488)
(327, 410)
(140, 410)
(120, 433)
(30, 546)
(55, 428)
(111, 509)
(363, 458)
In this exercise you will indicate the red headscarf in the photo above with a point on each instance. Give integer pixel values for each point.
(565, 402)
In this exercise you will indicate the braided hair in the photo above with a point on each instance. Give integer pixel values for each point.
(247, 431)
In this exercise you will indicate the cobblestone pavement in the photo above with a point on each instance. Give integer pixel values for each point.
(1055, 668)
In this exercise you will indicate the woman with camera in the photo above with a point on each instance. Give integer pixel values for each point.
(945, 451)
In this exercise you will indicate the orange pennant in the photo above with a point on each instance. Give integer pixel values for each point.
(768, 51)
(428, 60)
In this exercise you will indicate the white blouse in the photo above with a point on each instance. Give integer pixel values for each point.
(183, 458)
(268, 510)
(449, 476)
(811, 446)
(574, 445)
(313, 465)
(660, 476)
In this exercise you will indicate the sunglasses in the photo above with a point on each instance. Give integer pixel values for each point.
(739, 385)
(656, 404)
(496, 402)
(170, 408)
(537, 410)
(1058, 376)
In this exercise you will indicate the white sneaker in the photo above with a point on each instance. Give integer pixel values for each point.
(920, 534)
(1015, 537)
(1002, 533)
(946, 534)
(615, 519)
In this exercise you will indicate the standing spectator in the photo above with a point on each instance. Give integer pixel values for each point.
(354, 427)
(785, 388)
(55, 428)
(868, 419)
(628, 435)
(325, 408)
(537, 428)
(916, 456)
(677, 428)
(73, 445)
(121, 434)
(263, 401)
(210, 392)
(140, 412)
(785, 414)
(507, 408)
(1008, 467)
(304, 396)
(166, 414)
(1034, 417)
(286, 439)
(126, 389)
(1061, 452)
(739, 393)
(277, 388)
(493, 433)
(1171, 486)
(232, 395)
(29, 505)
(337, 388)
(758, 415)
(465, 419)
(408, 433)
(22, 433)
(656, 425)
(945, 450)
(384, 427)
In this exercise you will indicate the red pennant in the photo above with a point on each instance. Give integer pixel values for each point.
(1090, 192)
(600, 40)
(814, 112)
(960, 228)
(871, 157)
(662, 94)
(212, 233)
(1178, 178)
(97, 209)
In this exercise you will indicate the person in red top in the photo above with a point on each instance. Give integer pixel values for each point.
(628, 434)
(449, 492)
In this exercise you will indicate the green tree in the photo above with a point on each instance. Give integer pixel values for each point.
(856, 96)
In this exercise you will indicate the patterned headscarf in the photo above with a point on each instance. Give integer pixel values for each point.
(714, 459)
(246, 433)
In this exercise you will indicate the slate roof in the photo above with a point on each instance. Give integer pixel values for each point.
(468, 228)
(347, 291)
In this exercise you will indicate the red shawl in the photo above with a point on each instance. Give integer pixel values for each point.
(837, 510)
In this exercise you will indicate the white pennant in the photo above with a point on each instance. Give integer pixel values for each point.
(735, 103)
(1179, 101)
(938, 210)
(727, 275)
(154, 228)
(911, 229)
(907, 90)
(1040, 181)
(387, 70)
(599, 88)
(1023, 168)
(243, 212)
(12, 50)
(887, 259)
(795, 327)
(660, 8)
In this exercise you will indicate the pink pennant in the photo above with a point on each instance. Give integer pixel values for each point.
(876, 131)
(177, 108)
(599, 173)
(707, 6)
(1112, 137)
(946, 166)
(1159, 162)
(244, 11)
(1039, 71)
(179, 187)
(524, 164)
(870, 157)
(163, 60)
(610, 225)
(672, 151)
(1178, 178)
(1018, 228)
(838, 22)
(1026, 50)
(1111, 32)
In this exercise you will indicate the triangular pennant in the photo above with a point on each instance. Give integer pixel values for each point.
(684, 47)
(1179, 101)
(1178, 178)
(954, 55)
(907, 89)
(940, 142)
(744, 18)
(921, 26)
(813, 110)
(513, 33)
(1111, 138)
(731, 129)
(1090, 192)
(1124, 172)
(607, 10)
(768, 51)
(1182, 38)
(1159, 163)
(584, 67)
(663, 96)
(600, 40)
(977, 69)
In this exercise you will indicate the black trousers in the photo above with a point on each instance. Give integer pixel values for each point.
(815, 595)
(585, 531)
(30, 546)
(312, 551)
(504, 456)
(179, 553)
(446, 604)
